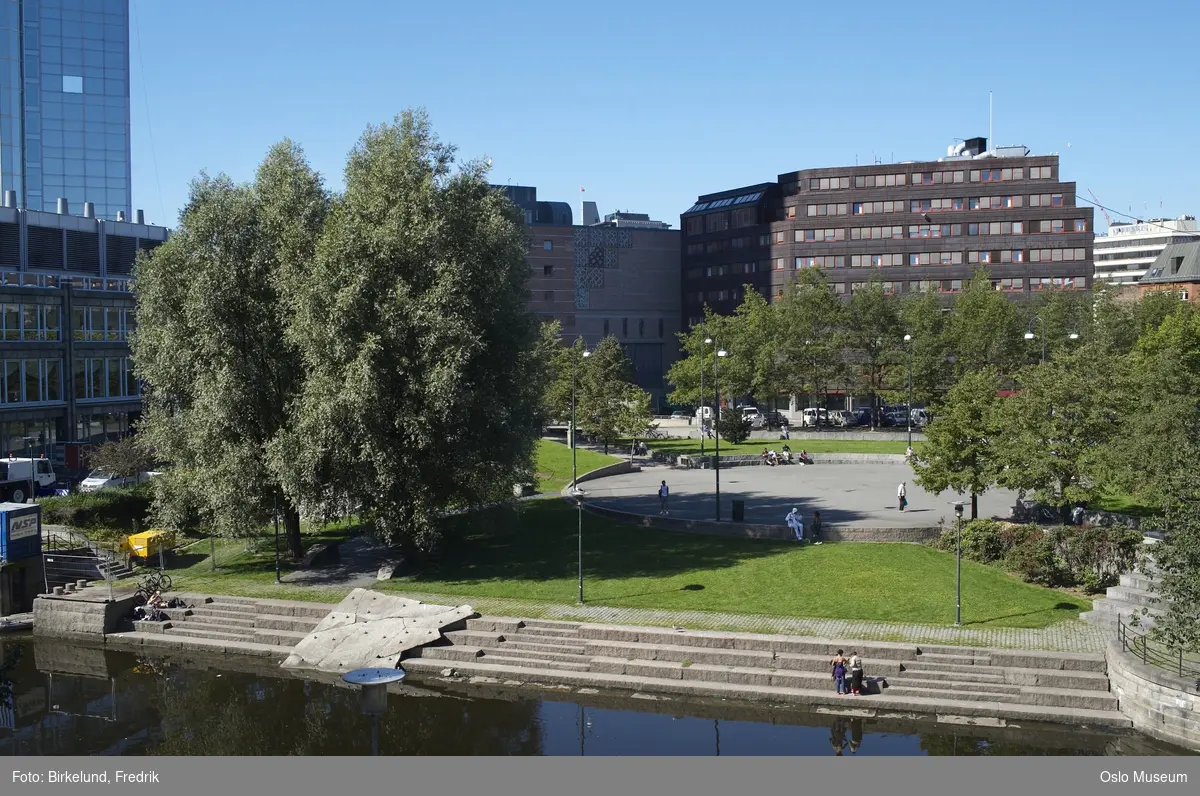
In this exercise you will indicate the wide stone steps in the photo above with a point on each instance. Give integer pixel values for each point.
(1137, 580)
(1046, 697)
(727, 657)
(945, 708)
(274, 625)
(1134, 595)
(210, 631)
(1043, 678)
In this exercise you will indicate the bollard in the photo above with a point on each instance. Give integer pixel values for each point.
(80, 584)
(58, 590)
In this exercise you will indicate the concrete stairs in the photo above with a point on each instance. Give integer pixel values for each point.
(229, 624)
(1134, 593)
(955, 684)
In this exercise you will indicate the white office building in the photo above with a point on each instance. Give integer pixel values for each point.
(1123, 254)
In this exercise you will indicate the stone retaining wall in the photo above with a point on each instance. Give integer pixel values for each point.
(755, 459)
(620, 468)
(80, 617)
(1161, 704)
(745, 530)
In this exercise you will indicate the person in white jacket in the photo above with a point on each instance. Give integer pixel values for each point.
(795, 522)
(902, 497)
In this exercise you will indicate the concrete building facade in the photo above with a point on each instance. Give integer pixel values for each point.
(916, 226)
(66, 313)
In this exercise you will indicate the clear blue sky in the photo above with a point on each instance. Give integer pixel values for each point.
(649, 104)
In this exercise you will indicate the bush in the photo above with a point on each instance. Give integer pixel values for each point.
(982, 541)
(115, 509)
(1036, 560)
(1096, 556)
(733, 428)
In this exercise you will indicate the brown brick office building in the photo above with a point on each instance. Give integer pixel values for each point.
(919, 226)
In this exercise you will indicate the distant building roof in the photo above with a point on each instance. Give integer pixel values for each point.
(1179, 262)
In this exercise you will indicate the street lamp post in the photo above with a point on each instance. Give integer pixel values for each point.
(716, 427)
(958, 514)
(575, 471)
(707, 342)
(276, 507)
(908, 380)
(1029, 335)
(32, 466)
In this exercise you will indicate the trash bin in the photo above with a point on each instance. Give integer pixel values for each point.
(739, 511)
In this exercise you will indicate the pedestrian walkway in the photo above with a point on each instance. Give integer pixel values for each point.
(1071, 636)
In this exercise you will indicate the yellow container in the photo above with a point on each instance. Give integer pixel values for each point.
(146, 543)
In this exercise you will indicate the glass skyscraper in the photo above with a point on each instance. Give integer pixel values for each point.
(64, 104)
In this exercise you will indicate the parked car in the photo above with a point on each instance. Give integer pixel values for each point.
(865, 415)
(680, 414)
(777, 419)
(757, 419)
(841, 418)
(103, 479)
(920, 417)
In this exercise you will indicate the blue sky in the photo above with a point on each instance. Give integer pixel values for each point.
(649, 104)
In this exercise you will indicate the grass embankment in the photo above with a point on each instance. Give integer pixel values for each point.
(1120, 503)
(681, 447)
(554, 464)
(529, 553)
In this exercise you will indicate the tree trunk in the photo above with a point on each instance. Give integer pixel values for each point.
(974, 506)
(291, 524)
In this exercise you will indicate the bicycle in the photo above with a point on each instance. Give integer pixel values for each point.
(148, 584)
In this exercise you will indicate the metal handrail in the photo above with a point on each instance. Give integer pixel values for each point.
(1154, 653)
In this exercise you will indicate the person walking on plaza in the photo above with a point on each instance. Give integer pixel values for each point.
(795, 523)
(856, 674)
(839, 674)
(902, 497)
(663, 494)
(815, 527)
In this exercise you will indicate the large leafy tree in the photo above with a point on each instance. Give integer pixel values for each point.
(871, 339)
(212, 343)
(424, 383)
(610, 406)
(810, 323)
(736, 372)
(984, 328)
(1056, 427)
(124, 457)
(960, 450)
(923, 318)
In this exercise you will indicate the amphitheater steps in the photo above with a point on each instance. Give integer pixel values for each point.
(962, 683)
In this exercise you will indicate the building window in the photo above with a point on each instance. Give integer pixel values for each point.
(790, 212)
(31, 322)
(1039, 173)
(30, 381)
(876, 260)
(828, 261)
(828, 210)
(716, 222)
(935, 258)
(1080, 225)
(548, 296)
(828, 183)
(879, 180)
(606, 327)
(1009, 285)
(745, 217)
(547, 270)
(839, 288)
(695, 225)
(625, 327)
(923, 286)
(548, 245)
(72, 84)
(661, 329)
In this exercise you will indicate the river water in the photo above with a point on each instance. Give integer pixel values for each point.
(73, 700)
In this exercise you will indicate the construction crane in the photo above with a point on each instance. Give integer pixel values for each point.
(1096, 201)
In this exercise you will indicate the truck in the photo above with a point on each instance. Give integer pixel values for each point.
(16, 473)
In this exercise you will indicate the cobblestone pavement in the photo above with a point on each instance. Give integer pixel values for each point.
(1072, 636)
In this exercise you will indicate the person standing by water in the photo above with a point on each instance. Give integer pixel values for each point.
(902, 497)
(663, 494)
(856, 674)
(839, 674)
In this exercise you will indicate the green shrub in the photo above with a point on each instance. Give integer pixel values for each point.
(113, 509)
(982, 541)
(1095, 556)
(1036, 560)
(733, 427)
(945, 542)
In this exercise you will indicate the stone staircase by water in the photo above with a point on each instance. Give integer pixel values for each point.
(228, 624)
(1135, 592)
(955, 684)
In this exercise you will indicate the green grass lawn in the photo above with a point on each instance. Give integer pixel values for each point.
(554, 464)
(680, 447)
(1120, 503)
(530, 553)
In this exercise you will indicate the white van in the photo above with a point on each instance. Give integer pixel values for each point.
(755, 417)
(704, 414)
(812, 417)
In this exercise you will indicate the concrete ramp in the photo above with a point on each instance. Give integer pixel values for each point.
(370, 629)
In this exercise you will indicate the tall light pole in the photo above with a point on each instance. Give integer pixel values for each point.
(1029, 335)
(958, 512)
(707, 343)
(908, 379)
(716, 427)
(575, 470)
(278, 579)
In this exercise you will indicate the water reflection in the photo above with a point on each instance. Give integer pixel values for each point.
(69, 700)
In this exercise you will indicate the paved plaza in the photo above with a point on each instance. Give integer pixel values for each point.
(862, 495)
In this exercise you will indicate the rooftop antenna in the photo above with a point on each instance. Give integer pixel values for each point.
(991, 140)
